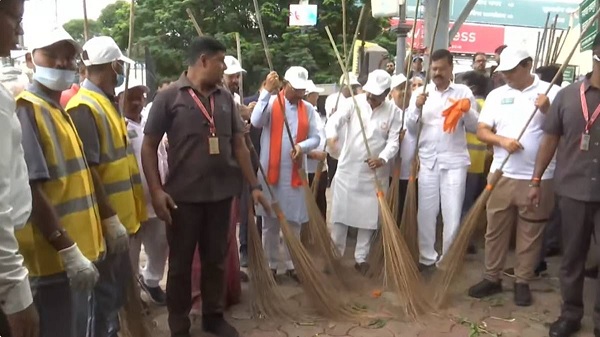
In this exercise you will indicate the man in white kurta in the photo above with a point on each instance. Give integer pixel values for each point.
(443, 156)
(354, 196)
(291, 198)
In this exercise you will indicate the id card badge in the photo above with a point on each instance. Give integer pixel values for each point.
(507, 100)
(584, 145)
(213, 145)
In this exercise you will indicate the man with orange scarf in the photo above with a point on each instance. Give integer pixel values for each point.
(281, 159)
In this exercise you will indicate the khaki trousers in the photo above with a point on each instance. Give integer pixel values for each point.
(507, 207)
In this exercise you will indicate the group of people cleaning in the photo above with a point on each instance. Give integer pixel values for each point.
(85, 184)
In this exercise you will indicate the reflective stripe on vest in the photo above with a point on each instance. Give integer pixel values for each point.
(70, 191)
(118, 167)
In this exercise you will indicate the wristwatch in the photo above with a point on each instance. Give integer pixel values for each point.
(256, 187)
(56, 234)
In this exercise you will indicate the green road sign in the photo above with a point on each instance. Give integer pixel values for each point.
(587, 9)
(526, 13)
(569, 74)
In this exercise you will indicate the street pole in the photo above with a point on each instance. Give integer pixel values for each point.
(401, 33)
(441, 39)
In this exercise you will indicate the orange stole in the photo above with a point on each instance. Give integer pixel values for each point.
(277, 125)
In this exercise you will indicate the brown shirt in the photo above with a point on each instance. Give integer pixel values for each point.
(577, 174)
(194, 174)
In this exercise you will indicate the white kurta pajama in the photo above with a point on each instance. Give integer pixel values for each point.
(354, 195)
(444, 161)
(290, 199)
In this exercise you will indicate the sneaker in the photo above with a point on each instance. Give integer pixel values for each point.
(157, 295)
(485, 288)
(522, 295)
(510, 272)
(217, 325)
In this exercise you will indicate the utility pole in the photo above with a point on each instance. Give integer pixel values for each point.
(401, 32)
(441, 38)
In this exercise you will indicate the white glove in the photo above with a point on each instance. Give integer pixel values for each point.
(82, 273)
(116, 236)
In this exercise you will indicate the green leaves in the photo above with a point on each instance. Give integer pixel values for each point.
(164, 27)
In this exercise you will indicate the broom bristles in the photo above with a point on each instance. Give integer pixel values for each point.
(401, 273)
(453, 260)
(267, 297)
(409, 223)
(323, 296)
(392, 193)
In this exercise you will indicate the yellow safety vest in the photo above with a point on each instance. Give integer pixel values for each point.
(70, 190)
(477, 149)
(118, 167)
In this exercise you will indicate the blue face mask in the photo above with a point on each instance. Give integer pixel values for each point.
(54, 79)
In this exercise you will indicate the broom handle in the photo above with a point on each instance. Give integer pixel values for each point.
(193, 19)
(260, 167)
(263, 35)
(238, 45)
(562, 68)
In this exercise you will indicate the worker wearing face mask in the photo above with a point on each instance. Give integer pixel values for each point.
(115, 171)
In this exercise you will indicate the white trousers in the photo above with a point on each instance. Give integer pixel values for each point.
(152, 234)
(339, 235)
(271, 240)
(445, 186)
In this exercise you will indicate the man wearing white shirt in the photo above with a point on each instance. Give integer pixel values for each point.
(443, 156)
(507, 110)
(354, 197)
(16, 300)
(317, 155)
(152, 233)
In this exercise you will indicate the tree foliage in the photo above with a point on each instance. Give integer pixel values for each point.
(165, 28)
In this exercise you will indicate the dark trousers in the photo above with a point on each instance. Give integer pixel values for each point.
(4, 328)
(580, 220)
(321, 189)
(403, 188)
(331, 168)
(110, 293)
(207, 226)
(552, 231)
(243, 233)
(473, 188)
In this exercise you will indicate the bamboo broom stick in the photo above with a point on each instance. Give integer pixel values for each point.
(452, 262)
(238, 45)
(325, 298)
(376, 255)
(537, 50)
(551, 41)
(131, 314)
(194, 22)
(544, 37)
(400, 272)
(86, 33)
(321, 164)
(562, 44)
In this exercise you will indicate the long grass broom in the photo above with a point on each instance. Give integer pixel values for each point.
(400, 272)
(133, 322)
(409, 224)
(323, 296)
(321, 164)
(376, 255)
(267, 298)
(453, 260)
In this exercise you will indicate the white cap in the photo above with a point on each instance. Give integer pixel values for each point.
(311, 87)
(133, 83)
(352, 77)
(102, 50)
(378, 81)
(511, 57)
(397, 80)
(56, 34)
(297, 77)
(233, 66)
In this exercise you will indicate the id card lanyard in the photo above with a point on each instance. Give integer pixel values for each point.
(213, 140)
(585, 137)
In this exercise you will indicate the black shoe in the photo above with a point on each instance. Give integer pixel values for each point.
(244, 277)
(541, 267)
(362, 268)
(510, 272)
(591, 273)
(596, 332)
(217, 325)
(485, 288)
(425, 267)
(471, 250)
(522, 295)
(552, 251)
(291, 273)
(157, 295)
(564, 328)
(244, 260)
